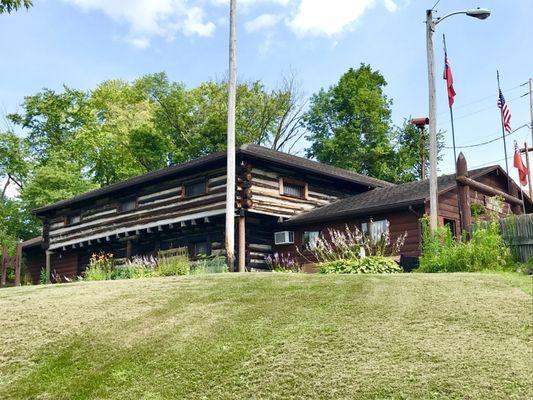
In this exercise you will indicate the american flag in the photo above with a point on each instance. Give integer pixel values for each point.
(506, 114)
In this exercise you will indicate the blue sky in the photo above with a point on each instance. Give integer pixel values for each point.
(83, 42)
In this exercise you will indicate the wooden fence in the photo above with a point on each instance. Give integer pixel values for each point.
(10, 262)
(517, 232)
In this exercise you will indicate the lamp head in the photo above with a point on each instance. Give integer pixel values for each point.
(479, 13)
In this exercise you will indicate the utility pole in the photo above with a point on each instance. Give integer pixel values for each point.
(433, 207)
(230, 181)
(526, 150)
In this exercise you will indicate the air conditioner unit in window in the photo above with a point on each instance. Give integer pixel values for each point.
(285, 237)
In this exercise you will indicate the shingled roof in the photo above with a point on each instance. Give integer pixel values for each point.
(382, 199)
(250, 150)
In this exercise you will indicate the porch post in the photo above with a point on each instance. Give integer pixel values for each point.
(18, 257)
(129, 249)
(3, 266)
(242, 242)
(48, 254)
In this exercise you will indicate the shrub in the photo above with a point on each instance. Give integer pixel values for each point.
(170, 266)
(364, 265)
(351, 243)
(100, 267)
(280, 262)
(486, 249)
(210, 265)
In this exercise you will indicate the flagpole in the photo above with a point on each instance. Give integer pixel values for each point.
(446, 68)
(503, 132)
(451, 109)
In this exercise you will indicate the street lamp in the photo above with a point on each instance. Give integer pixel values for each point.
(479, 13)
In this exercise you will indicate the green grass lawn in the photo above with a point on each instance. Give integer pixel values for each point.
(270, 336)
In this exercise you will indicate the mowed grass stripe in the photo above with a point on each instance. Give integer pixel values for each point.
(275, 336)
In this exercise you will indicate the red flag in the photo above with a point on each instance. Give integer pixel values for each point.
(449, 80)
(519, 164)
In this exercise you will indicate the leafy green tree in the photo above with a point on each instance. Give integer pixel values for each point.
(56, 180)
(350, 124)
(52, 120)
(15, 164)
(8, 6)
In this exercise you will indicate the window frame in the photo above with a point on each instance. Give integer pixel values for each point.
(121, 209)
(192, 182)
(365, 226)
(68, 219)
(283, 181)
(306, 246)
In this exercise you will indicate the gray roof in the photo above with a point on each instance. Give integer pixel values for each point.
(250, 150)
(382, 199)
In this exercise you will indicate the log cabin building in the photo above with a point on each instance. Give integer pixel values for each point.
(283, 201)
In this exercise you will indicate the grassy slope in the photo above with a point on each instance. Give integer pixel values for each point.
(464, 336)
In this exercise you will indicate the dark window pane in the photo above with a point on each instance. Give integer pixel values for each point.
(128, 205)
(195, 188)
(294, 190)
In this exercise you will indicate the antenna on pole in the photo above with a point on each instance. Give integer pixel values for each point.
(230, 181)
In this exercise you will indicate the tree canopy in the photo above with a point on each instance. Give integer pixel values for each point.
(74, 140)
(8, 6)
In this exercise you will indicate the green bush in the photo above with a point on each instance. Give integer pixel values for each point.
(95, 273)
(210, 265)
(365, 265)
(170, 266)
(486, 249)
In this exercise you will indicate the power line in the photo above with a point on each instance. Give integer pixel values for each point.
(483, 109)
(482, 99)
(488, 141)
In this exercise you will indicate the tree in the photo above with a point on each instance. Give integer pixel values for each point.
(349, 125)
(8, 6)
(56, 180)
(52, 120)
(15, 164)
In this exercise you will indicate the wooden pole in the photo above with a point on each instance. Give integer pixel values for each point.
(242, 242)
(129, 249)
(18, 261)
(5, 256)
(463, 192)
(48, 254)
(526, 150)
(230, 184)
(433, 190)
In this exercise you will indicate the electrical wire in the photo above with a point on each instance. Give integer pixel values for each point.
(488, 141)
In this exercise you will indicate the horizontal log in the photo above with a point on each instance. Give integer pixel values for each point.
(487, 190)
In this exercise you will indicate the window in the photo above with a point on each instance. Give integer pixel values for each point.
(195, 188)
(309, 239)
(72, 219)
(450, 224)
(199, 248)
(375, 229)
(128, 205)
(293, 189)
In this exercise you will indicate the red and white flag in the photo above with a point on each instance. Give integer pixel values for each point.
(506, 113)
(449, 80)
(519, 164)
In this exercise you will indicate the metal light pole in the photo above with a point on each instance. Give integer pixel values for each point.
(430, 28)
(230, 181)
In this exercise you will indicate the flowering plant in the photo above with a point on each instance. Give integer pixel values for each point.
(279, 262)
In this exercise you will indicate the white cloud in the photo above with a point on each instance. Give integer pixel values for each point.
(390, 5)
(327, 17)
(147, 18)
(264, 21)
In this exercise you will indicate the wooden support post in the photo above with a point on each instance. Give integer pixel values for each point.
(463, 193)
(48, 254)
(242, 242)
(515, 208)
(5, 257)
(18, 261)
(129, 249)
